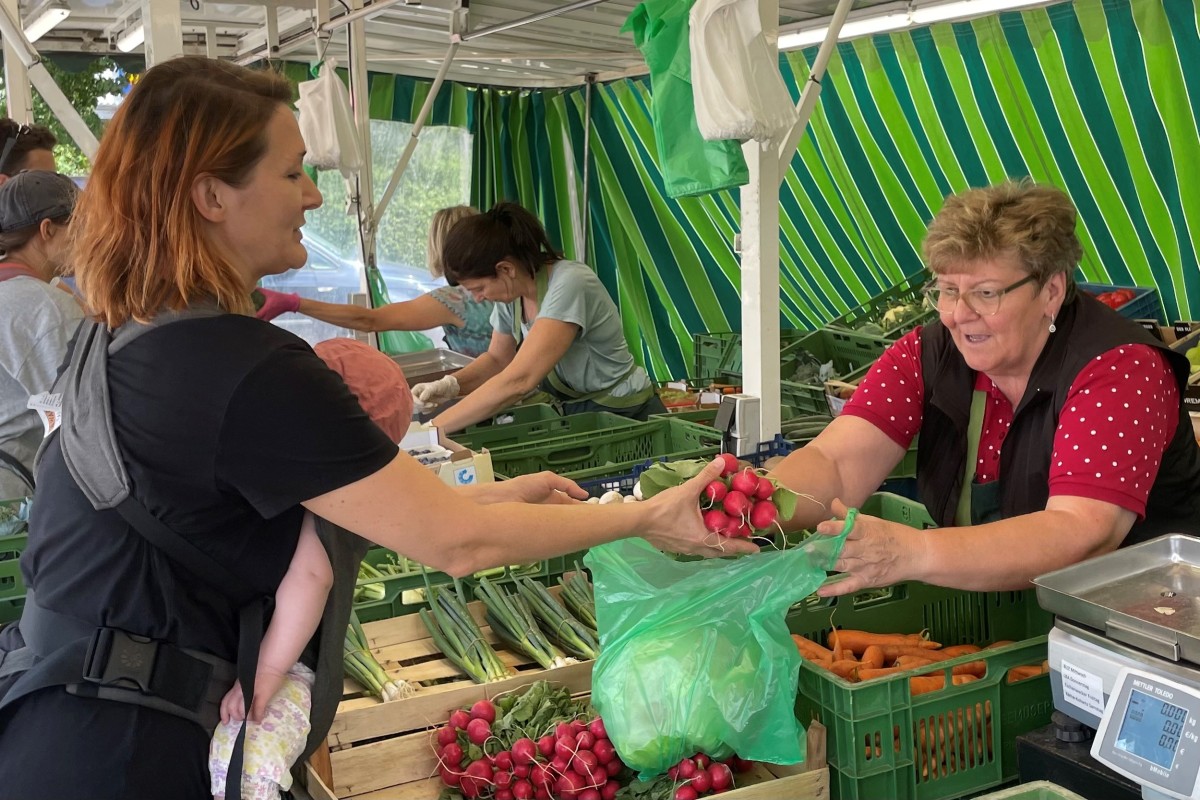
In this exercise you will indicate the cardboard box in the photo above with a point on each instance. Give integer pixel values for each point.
(463, 467)
(837, 394)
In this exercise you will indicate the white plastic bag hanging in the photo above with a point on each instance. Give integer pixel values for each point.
(327, 123)
(738, 90)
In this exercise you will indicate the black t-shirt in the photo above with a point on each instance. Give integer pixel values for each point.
(226, 424)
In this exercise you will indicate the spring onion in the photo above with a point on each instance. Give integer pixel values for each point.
(577, 596)
(512, 621)
(572, 635)
(456, 634)
(360, 666)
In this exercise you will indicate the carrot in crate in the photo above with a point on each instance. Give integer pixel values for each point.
(858, 641)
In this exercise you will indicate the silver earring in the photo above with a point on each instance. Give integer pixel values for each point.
(1053, 328)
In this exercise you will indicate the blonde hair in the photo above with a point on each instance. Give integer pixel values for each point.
(1035, 223)
(140, 244)
(439, 227)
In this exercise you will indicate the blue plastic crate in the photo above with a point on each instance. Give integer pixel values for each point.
(1144, 305)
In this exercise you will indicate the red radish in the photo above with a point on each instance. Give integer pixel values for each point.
(452, 754)
(450, 777)
(504, 794)
(701, 781)
(560, 765)
(715, 492)
(478, 776)
(604, 750)
(673, 773)
(483, 709)
(731, 464)
(596, 727)
(702, 761)
(524, 751)
(597, 777)
(583, 762)
(503, 779)
(686, 769)
(522, 790)
(460, 719)
(765, 489)
(478, 731)
(717, 520)
(736, 505)
(563, 730)
(763, 514)
(569, 785)
(541, 793)
(609, 792)
(588, 794)
(578, 726)
(545, 746)
(503, 759)
(741, 765)
(542, 775)
(446, 735)
(585, 740)
(521, 771)
(742, 531)
(564, 749)
(720, 776)
(613, 767)
(745, 482)
(686, 792)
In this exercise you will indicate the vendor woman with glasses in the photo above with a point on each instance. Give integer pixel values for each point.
(1052, 429)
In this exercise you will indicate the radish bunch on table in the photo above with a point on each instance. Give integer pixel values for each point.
(741, 503)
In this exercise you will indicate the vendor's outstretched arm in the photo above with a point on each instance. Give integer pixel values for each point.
(848, 460)
(418, 314)
(547, 343)
(998, 556)
(499, 355)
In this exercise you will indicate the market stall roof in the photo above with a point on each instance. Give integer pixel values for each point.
(406, 37)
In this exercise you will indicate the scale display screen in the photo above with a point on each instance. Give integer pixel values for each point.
(1151, 729)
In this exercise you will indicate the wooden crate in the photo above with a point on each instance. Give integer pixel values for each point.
(374, 745)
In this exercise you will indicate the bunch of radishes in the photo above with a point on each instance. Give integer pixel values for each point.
(740, 503)
(699, 775)
(576, 760)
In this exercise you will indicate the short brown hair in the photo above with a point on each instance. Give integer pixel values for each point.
(439, 227)
(140, 243)
(25, 139)
(1033, 222)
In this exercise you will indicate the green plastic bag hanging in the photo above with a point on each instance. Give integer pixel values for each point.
(695, 656)
(395, 342)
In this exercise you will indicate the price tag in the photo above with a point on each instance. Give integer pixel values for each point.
(1083, 689)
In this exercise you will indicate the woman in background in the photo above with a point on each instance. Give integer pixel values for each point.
(465, 321)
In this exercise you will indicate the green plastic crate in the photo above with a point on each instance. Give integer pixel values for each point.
(574, 426)
(879, 736)
(517, 415)
(605, 452)
(699, 416)
(12, 584)
(1035, 790)
(404, 593)
(720, 352)
(908, 291)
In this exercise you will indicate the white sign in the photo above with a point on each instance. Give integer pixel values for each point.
(1083, 689)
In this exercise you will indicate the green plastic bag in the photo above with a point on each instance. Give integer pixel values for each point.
(695, 656)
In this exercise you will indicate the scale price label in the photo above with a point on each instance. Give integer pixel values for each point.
(1149, 733)
(1083, 689)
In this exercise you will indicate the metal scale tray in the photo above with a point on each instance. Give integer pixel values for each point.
(1146, 595)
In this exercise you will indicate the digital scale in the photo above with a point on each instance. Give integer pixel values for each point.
(1125, 659)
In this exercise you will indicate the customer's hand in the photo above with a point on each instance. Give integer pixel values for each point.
(545, 487)
(434, 393)
(676, 525)
(277, 303)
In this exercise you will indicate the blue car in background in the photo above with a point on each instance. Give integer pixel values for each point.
(332, 278)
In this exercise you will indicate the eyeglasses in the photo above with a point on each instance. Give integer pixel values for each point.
(984, 302)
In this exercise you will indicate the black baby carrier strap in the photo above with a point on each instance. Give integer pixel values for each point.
(110, 663)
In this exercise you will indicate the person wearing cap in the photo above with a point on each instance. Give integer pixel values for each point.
(279, 718)
(37, 320)
(25, 147)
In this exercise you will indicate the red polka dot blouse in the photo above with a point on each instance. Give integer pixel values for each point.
(1120, 414)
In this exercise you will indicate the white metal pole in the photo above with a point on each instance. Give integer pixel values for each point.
(760, 268)
(16, 79)
(164, 30)
(812, 87)
(414, 138)
(589, 88)
(538, 17)
(360, 97)
(16, 43)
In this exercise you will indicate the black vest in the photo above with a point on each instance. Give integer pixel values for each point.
(1086, 328)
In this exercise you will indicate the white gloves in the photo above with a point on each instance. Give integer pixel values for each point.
(434, 393)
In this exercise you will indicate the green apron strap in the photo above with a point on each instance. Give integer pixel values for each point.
(974, 431)
(601, 396)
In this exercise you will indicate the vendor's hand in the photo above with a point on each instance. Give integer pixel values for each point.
(675, 523)
(277, 303)
(877, 553)
(434, 393)
(545, 487)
